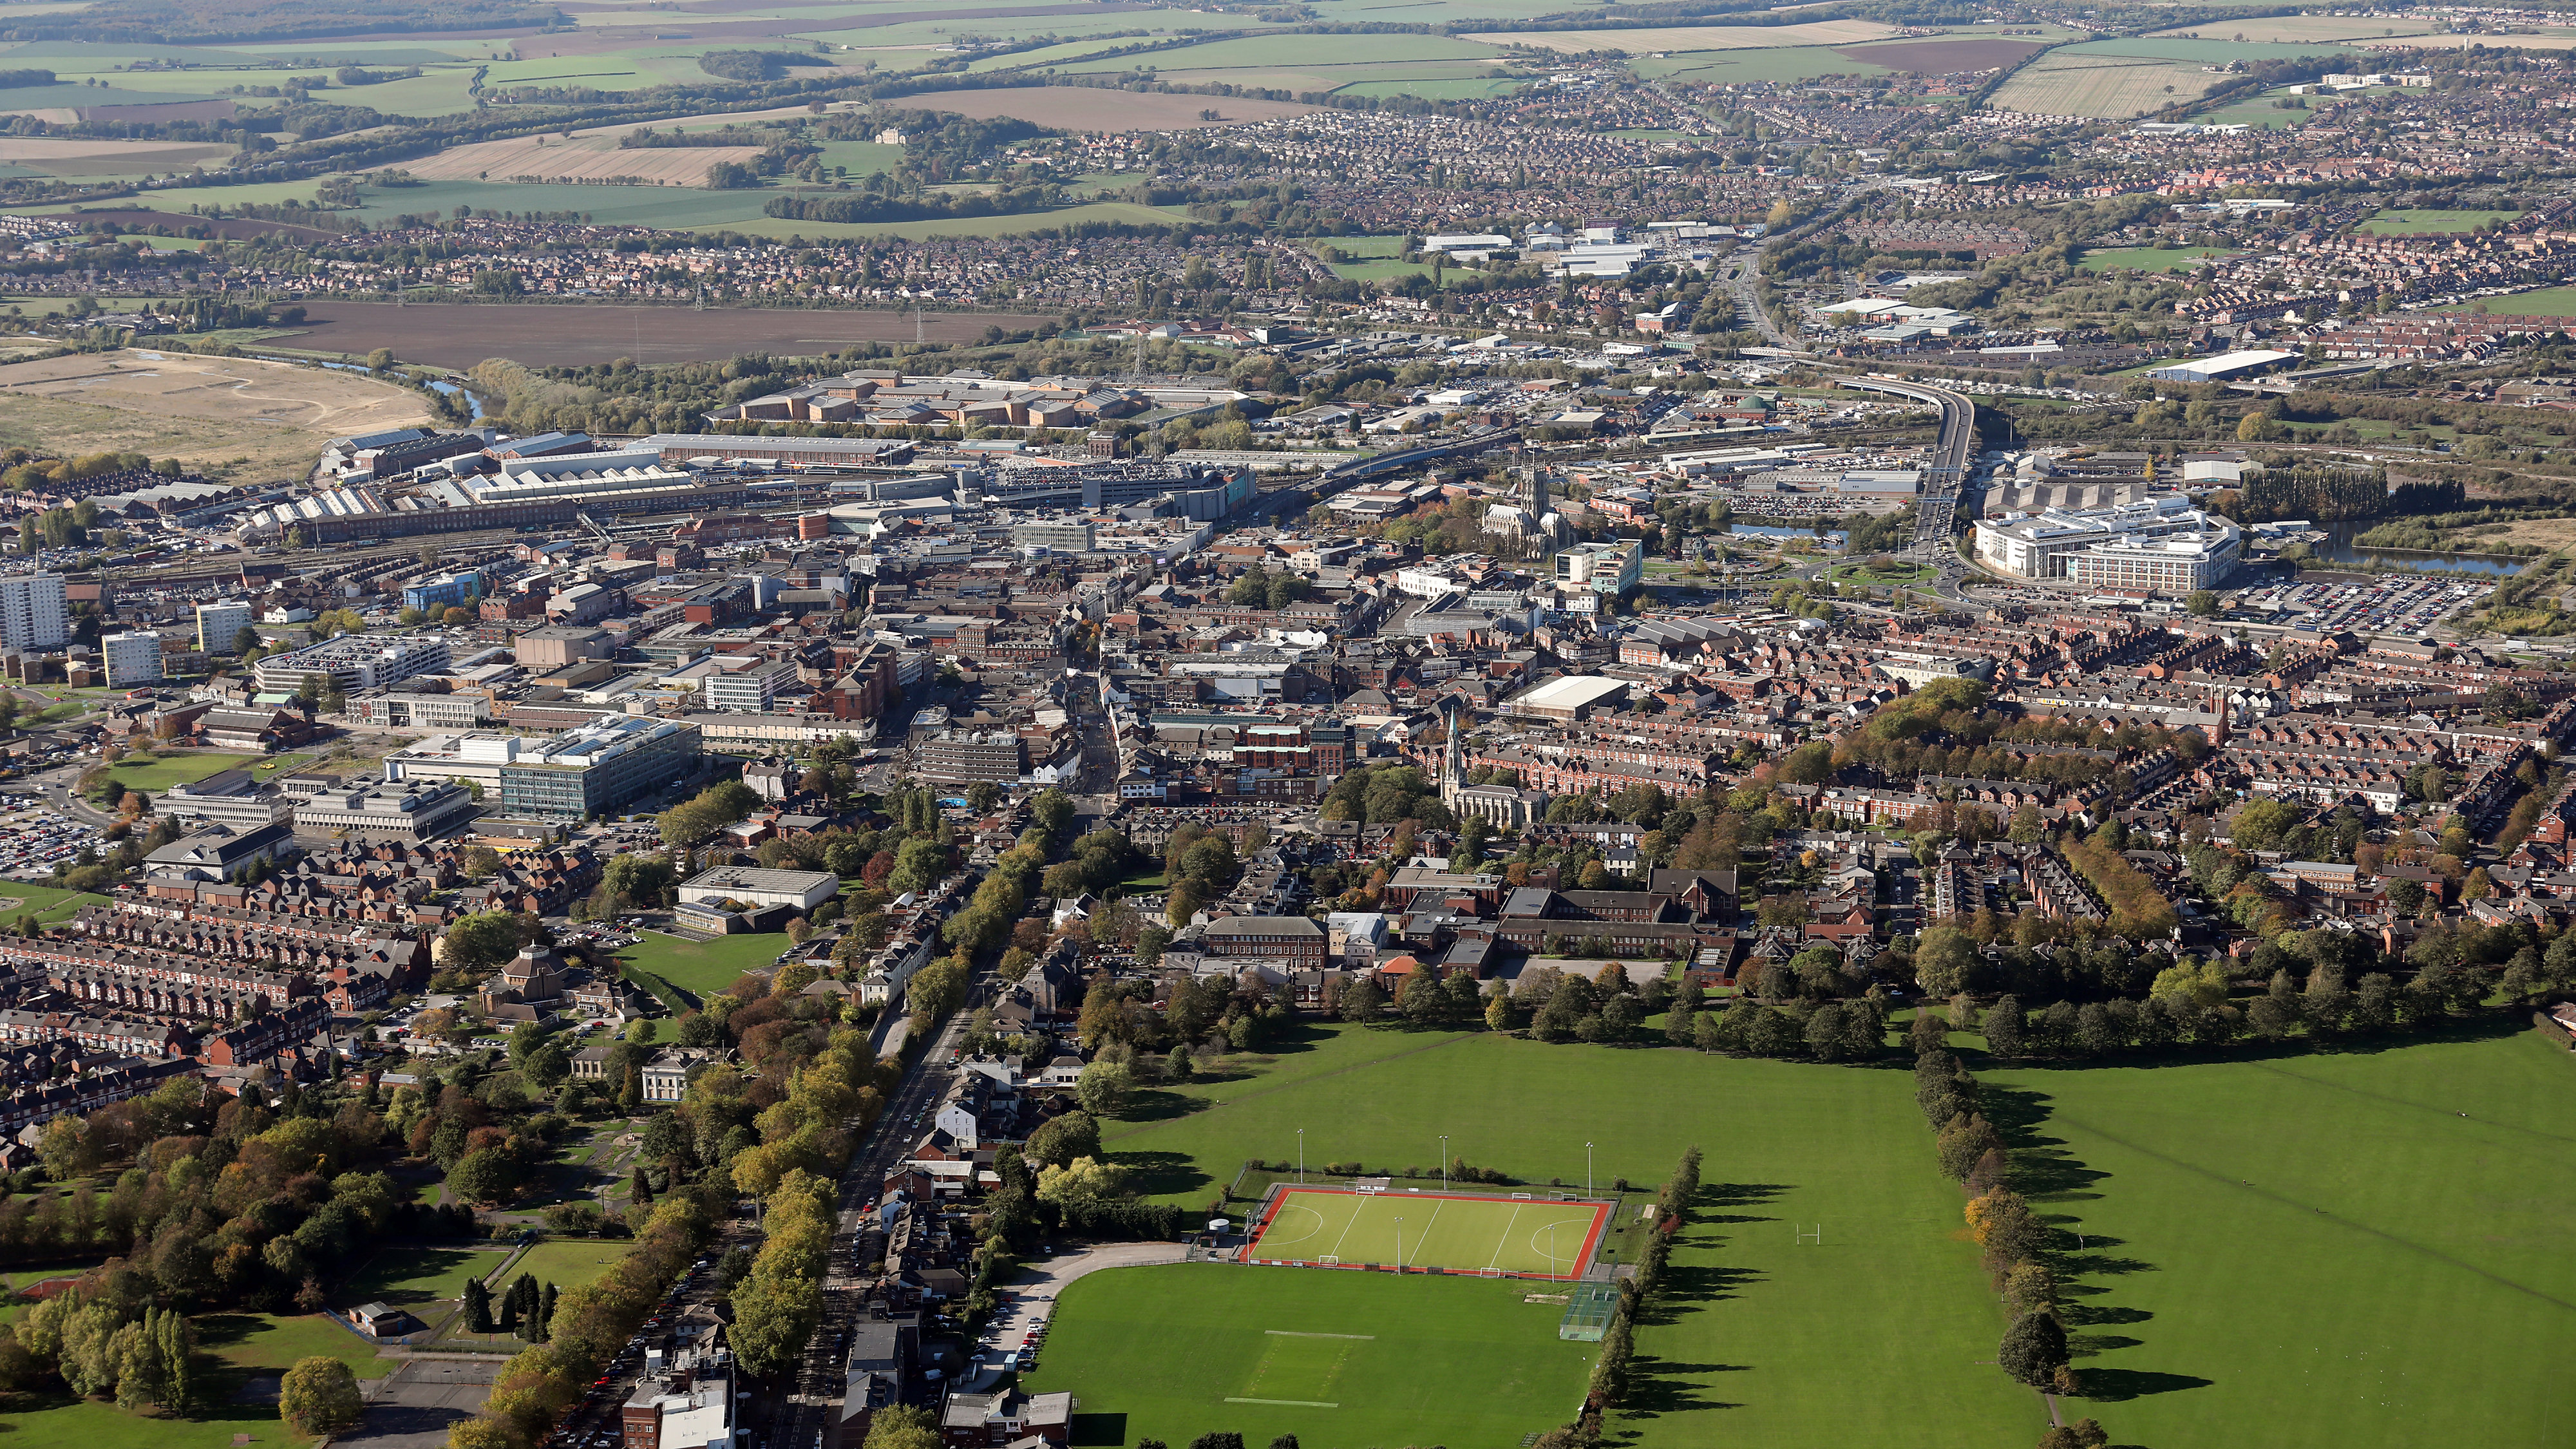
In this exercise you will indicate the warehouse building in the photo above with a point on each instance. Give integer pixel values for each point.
(2225, 367)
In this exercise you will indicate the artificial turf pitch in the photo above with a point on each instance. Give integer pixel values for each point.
(1452, 1232)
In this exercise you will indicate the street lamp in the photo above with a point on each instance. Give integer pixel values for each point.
(1399, 1245)
(1301, 1157)
(1587, 1169)
(1444, 1162)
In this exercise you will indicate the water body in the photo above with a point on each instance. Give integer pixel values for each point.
(2340, 548)
(473, 404)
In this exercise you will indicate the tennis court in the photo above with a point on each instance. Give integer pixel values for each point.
(1525, 1237)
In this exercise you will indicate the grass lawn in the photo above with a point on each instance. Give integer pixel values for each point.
(180, 769)
(265, 1341)
(2286, 1238)
(703, 967)
(2414, 222)
(570, 1262)
(2148, 259)
(48, 903)
(1862, 574)
(2547, 302)
(1452, 1232)
(426, 1281)
(1801, 1344)
(56, 1420)
(1337, 1359)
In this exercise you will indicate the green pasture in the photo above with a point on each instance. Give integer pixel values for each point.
(2415, 221)
(2260, 111)
(1337, 1359)
(703, 968)
(1437, 88)
(2148, 259)
(1288, 52)
(1072, 49)
(2269, 1239)
(968, 226)
(1872, 1338)
(864, 158)
(30, 97)
(1739, 67)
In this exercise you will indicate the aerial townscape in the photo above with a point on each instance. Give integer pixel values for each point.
(1286, 724)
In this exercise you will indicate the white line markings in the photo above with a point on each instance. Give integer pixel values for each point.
(1293, 1333)
(1286, 1403)
(1504, 1239)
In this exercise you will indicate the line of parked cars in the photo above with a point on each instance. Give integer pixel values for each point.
(34, 838)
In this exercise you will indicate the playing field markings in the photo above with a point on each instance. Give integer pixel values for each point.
(1347, 1224)
(1286, 1403)
(1501, 1242)
(1285, 1208)
(1297, 1333)
(1426, 1234)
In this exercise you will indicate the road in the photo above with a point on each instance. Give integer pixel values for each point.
(799, 1419)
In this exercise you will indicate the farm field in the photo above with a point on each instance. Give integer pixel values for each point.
(2063, 83)
(2397, 1189)
(703, 968)
(2554, 39)
(1737, 67)
(1794, 1338)
(1079, 108)
(268, 418)
(974, 225)
(2201, 52)
(1341, 1360)
(2293, 29)
(1947, 57)
(2415, 222)
(1436, 87)
(460, 334)
(593, 158)
(1696, 37)
(83, 157)
(2147, 259)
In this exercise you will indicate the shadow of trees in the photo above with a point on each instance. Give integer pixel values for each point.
(1157, 1174)
(2045, 1170)
(1659, 1386)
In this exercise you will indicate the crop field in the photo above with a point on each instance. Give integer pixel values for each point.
(589, 158)
(70, 157)
(1452, 1232)
(1081, 108)
(264, 419)
(1695, 37)
(1300, 52)
(2202, 52)
(2100, 86)
(2293, 29)
(1947, 57)
(460, 334)
(2419, 222)
(2275, 1238)
(1340, 1360)
(2554, 39)
(1737, 67)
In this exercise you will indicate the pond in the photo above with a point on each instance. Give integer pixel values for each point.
(474, 405)
(2339, 547)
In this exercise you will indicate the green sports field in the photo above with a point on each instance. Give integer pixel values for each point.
(2351, 1250)
(2424, 221)
(1341, 1360)
(1451, 1232)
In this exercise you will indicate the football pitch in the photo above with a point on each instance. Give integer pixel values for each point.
(1450, 1232)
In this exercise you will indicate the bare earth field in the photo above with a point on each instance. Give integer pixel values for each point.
(84, 157)
(590, 158)
(1945, 57)
(270, 418)
(1081, 108)
(459, 334)
(1697, 37)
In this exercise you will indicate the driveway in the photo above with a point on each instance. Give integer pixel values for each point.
(1032, 1296)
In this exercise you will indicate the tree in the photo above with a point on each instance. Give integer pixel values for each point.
(1085, 1179)
(1103, 1088)
(487, 1175)
(2003, 1027)
(2033, 1349)
(319, 1396)
(901, 1426)
(478, 1306)
(1363, 1000)
(1072, 1135)
(479, 942)
(2202, 603)
(1945, 961)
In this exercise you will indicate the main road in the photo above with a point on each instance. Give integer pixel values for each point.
(1947, 473)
